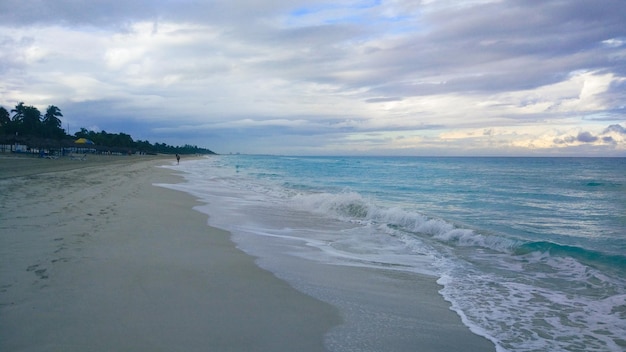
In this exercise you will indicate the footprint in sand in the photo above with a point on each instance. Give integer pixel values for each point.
(41, 273)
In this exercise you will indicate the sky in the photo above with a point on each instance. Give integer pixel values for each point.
(317, 77)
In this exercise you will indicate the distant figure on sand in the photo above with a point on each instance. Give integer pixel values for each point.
(177, 159)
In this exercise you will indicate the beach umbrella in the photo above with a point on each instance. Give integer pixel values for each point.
(83, 141)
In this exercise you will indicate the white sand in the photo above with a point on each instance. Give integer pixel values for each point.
(98, 259)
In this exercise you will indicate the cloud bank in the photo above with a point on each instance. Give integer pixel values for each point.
(320, 77)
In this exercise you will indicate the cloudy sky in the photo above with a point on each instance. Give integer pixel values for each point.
(383, 77)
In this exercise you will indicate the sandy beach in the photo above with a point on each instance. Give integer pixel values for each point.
(95, 257)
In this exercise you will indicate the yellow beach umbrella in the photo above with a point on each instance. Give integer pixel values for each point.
(83, 141)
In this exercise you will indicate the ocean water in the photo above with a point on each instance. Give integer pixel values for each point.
(530, 252)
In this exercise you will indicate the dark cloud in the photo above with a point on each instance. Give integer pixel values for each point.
(615, 128)
(565, 140)
(608, 140)
(586, 137)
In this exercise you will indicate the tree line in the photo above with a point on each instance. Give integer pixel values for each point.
(27, 125)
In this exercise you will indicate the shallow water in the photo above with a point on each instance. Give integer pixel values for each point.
(530, 251)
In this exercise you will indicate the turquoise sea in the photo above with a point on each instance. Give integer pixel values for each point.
(530, 252)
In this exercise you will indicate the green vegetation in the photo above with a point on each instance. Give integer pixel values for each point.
(29, 127)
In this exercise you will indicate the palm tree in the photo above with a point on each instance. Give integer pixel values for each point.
(26, 119)
(4, 117)
(31, 120)
(18, 112)
(5, 124)
(52, 123)
(51, 118)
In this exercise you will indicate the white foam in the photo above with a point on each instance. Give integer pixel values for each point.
(557, 310)
(338, 226)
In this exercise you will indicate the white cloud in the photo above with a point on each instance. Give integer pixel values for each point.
(410, 76)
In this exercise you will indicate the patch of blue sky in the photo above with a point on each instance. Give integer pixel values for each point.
(302, 12)
(363, 4)
(363, 12)
(368, 4)
(350, 12)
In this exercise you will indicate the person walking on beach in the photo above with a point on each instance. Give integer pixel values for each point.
(177, 159)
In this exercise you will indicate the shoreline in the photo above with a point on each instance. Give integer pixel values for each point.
(382, 309)
(98, 258)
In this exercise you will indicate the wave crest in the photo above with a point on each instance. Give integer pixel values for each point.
(351, 206)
